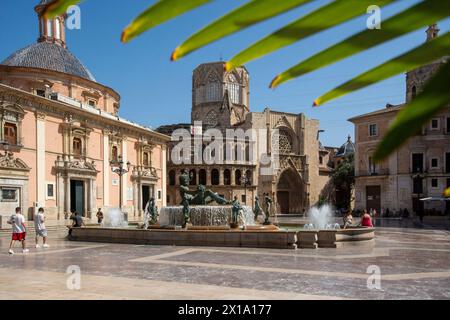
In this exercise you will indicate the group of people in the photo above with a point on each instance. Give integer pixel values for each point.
(19, 230)
(367, 219)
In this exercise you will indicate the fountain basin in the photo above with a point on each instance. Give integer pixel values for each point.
(274, 239)
(350, 236)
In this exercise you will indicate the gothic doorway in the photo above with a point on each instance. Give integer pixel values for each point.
(290, 192)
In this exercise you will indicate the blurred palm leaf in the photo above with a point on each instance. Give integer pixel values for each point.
(424, 54)
(418, 16)
(243, 17)
(323, 18)
(447, 193)
(58, 7)
(413, 116)
(158, 13)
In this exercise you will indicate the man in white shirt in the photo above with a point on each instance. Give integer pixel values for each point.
(19, 231)
(39, 226)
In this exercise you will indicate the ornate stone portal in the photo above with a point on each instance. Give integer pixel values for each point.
(14, 183)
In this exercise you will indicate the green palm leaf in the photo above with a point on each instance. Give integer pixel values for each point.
(58, 7)
(158, 13)
(412, 117)
(245, 16)
(418, 16)
(324, 18)
(426, 53)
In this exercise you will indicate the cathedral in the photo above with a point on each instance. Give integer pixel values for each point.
(63, 145)
(298, 178)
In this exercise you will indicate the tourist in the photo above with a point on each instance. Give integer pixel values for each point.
(77, 221)
(39, 226)
(374, 216)
(99, 216)
(366, 220)
(19, 231)
(387, 213)
(348, 220)
(420, 213)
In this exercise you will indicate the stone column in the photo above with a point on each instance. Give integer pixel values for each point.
(221, 177)
(67, 195)
(164, 175)
(208, 177)
(125, 176)
(233, 175)
(106, 169)
(40, 158)
(140, 197)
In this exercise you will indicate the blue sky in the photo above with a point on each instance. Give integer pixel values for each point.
(156, 91)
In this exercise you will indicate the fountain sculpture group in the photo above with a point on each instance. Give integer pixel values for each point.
(206, 219)
(196, 210)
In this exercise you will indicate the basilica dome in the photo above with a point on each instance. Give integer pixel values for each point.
(49, 56)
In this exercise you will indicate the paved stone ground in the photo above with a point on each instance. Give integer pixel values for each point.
(414, 263)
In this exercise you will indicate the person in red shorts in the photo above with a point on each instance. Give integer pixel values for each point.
(19, 231)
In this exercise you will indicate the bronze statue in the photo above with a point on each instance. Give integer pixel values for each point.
(186, 210)
(201, 196)
(268, 202)
(257, 210)
(235, 212)
(153, 212)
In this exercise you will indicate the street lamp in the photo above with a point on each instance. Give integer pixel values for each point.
(120, 171)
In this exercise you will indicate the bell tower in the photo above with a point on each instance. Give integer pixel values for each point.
(417, 78)
(50, 30)
(220, 99)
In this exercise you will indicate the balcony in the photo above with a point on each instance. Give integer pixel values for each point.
(373, 173)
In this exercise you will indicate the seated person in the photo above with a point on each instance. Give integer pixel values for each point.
(366, 220)
(348, 220)
(77, 221)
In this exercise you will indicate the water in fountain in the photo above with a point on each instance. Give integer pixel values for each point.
(204, 216)
(114, 219)
(321, 218)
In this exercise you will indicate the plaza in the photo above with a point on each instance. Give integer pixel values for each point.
(414, 264)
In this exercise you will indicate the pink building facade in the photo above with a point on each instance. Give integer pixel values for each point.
(61, 137)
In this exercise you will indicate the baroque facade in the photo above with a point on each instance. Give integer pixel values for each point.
(61, 136)
(221, 101)
(419, 169)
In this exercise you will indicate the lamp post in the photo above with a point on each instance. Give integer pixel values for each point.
(120, 171)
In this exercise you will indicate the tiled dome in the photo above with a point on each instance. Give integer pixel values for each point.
(49, 56)
(346, 149)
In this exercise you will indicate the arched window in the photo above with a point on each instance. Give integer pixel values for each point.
(200, 94)
(172, 177)
(145, 159)
(49, 28)
(285, 142)
(234, 89)
(10, 133)
(202, 177)
(226, 177)
(413, 92)
(57, 28)
(215, 177)
(115, 154)
(193, 177)
(238, 177)
(247, 152)
(77, 146)
(248, 177)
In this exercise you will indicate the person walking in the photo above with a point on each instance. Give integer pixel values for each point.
(99, 216)
(19, 231)
(39, 226)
